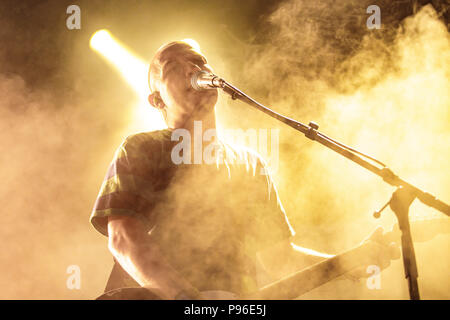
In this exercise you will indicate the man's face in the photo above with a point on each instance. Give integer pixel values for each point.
(179, 100)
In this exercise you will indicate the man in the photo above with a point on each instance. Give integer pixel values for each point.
(180, 229)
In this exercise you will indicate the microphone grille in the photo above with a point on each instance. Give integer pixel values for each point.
(194, 79)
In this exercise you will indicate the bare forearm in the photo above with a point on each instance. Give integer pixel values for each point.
(142, 259)
(148, 267)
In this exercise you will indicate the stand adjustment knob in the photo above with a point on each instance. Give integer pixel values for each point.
(377, 214)
(313, 125)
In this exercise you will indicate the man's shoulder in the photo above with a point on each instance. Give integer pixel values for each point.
(149, 141)
(142, 138)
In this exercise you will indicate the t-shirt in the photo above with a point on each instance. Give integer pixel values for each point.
(209, 220)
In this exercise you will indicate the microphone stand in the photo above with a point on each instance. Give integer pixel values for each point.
(401, 198)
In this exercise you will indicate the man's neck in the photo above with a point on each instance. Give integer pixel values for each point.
(202, 132)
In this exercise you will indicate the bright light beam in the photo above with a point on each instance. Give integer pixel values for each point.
(134, 71)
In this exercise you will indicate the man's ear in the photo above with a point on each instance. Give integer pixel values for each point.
(155, 100)
(151, 99)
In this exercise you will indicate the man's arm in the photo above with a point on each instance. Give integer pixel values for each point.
(128, 242)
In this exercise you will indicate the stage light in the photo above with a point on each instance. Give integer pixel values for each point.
(134, 71)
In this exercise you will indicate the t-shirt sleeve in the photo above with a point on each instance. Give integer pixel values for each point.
(269, 223)
(127, 187)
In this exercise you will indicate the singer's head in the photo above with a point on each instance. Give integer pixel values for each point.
(171, 92)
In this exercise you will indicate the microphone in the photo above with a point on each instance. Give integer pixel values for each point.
(203, 80)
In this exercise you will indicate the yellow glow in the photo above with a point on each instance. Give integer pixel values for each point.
(134, 70)
(310, 252)
(194, 44)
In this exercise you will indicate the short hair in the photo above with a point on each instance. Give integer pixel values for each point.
(169, 55)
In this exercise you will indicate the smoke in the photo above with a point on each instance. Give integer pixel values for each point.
(51, 173)
(384, 92)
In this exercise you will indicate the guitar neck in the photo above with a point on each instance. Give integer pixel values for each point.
(318, 274)
(368, 253)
